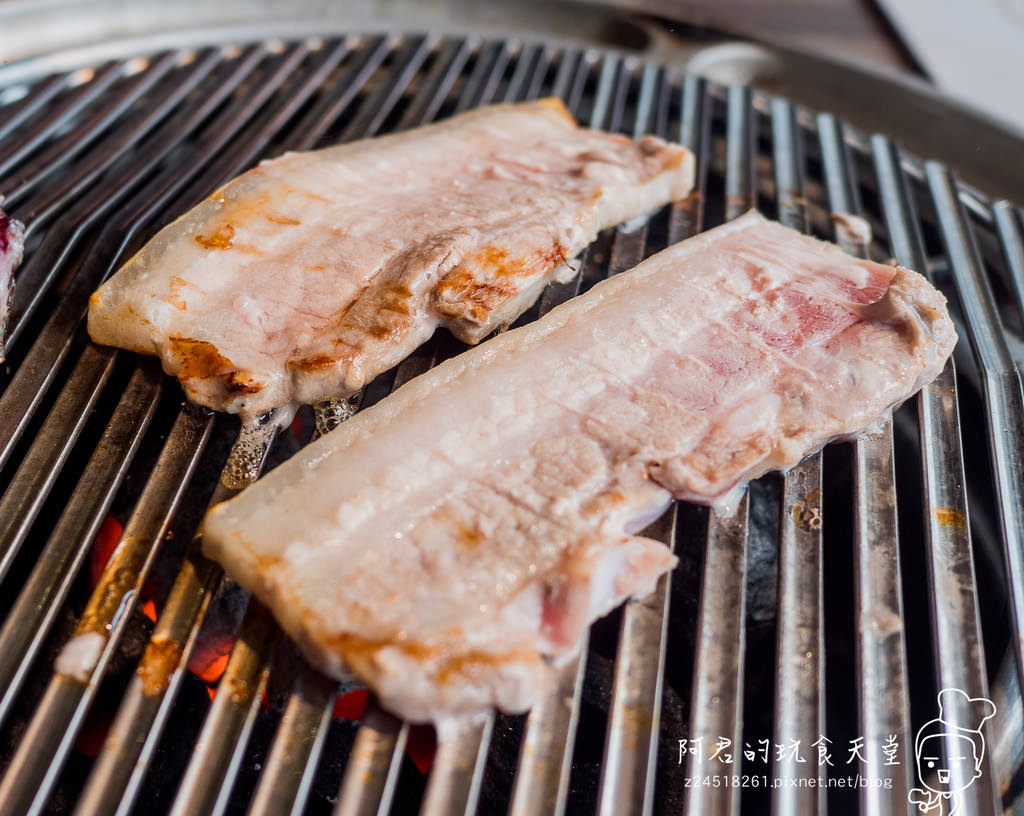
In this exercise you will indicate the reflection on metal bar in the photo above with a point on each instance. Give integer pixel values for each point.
(61, 151)
(41, 466)
(116, 146)
(288, 772)
(955, 616)
(1008, 225)
(1001, 385)
(372, 770)
(884, 710)
(75, 101)
(717, 700)
(61, 713)
(207, 784)
(30, 618)
(147, 704)
(51, 346)
(800, 682)
(631, 744)
(98, 204)
(454, 784)
(717, 697)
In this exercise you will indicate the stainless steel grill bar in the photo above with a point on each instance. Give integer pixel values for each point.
(717, 697)
(529, 73)
(800, 651)
(448, 67)
(1008, 225)
(145, 707)
(215, 762)
(955, 616)
(40, 94)
(114, 147)
(61, 713)
(372, 770)
(371, 116)
(39, 469)
(206, 787)
(461, 758)
(884, 710)
(1001, 385)
(225, 725)
(27, 624)
(288, 771)
(487, 73)
(141, 717)
(571, 78)
(458, 767)
(52, 345)
(29, 620)
(300, 733)
(631, 745)
(545, 759)
(59, 152)
(353, 82)
(15, 620)
(74, 102)
(717, 707)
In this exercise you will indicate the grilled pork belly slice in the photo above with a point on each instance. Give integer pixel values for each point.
(447, 541)
(12, 244)
(312, 273)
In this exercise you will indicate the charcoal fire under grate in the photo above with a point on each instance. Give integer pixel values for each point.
(835, 603)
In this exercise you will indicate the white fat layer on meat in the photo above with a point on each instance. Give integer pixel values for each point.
(450, 541)
(80, 655)
(307, 276)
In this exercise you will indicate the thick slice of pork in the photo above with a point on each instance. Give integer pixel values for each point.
(445, 543)
(12, 244)
(312, 273)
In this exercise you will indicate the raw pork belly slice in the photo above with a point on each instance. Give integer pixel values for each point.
(443, 543)
(12, 243)
(312, 273)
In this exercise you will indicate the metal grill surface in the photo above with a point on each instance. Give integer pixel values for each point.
(833, 605)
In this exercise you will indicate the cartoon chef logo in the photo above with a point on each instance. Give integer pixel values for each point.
(949, 751)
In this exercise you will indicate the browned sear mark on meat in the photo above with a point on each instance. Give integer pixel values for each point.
(343, 352)
(503, 266)
(283, 220)
(241, 383)
(221, 239)
(469, 538)
(358, 650)
(176, 285)
(198, 358)
(157, 665)
(464, 294)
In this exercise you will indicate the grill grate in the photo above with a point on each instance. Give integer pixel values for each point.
(95, 160)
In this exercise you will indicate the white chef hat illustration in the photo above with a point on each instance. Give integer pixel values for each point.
(959, 715)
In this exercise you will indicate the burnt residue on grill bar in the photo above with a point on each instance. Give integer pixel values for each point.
(95, 160)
